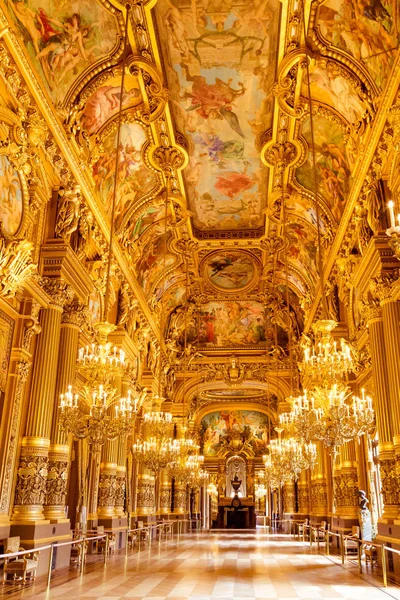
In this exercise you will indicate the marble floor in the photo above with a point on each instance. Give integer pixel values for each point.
(217, 566)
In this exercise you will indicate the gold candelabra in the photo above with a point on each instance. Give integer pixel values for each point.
(97, 422)
(339, 421)
(325, 361)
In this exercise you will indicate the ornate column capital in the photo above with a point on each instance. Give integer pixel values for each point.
(381, 286)
(370, 309)
(75, 313)
(60, 293)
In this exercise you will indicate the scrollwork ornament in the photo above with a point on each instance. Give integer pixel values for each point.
(16, 265)
(32, 326)
(167, 159)
(390, 482)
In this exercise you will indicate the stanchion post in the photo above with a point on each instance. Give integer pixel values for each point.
(311, 532)
(384, 567)
(327, 542)
(82, 555)
(106, 550)
(50, 564)
(342, 547)
(359, 552)
(126, 541)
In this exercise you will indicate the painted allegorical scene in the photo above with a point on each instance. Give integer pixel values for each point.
(11, 200)
(332, 164)
(63, 38)
(367, 29)
(220, 71)
(135, 179)
(221, 429)
(155, 258)
(329, 86)
(302, 246)
(104, 102)
(230, 270)
(226, 323)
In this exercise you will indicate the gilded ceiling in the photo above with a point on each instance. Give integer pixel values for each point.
(215, 157)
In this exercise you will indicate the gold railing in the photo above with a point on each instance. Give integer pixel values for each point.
(362, 547)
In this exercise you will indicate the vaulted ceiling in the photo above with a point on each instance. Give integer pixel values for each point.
(215, 165)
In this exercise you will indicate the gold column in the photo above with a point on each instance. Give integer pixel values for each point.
(30, 489)
(180, 498)
(289, 500)
(108, 480)
(390, 487)
(319, 499)
(59, 452)
(165, 493)
(346, 483)
(108, 470)
(121, 478)
(145, 493)
(303, 492)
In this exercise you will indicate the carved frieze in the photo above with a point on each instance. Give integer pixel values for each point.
(107, 490)
(56, 487)
(31, 478)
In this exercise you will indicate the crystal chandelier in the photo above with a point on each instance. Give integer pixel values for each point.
(100, 359)
(156, 450)
(325, 361)
(339, 421)
(155, 453)
(286, 458)
(96, 422)
(302, 422)
(185, 461)
(344, 419)
(197, 478)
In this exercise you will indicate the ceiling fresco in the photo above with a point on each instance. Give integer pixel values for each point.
(366, 30)
(104, 102)
(220, 63)
(332, 161)
(135, 179)
(230, 271)
(210, 87)
(65, 39)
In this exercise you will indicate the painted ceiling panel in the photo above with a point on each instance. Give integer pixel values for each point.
(64, 38)
(365, 29)
(220, 62)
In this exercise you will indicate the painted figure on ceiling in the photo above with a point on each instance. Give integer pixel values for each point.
(213, 101)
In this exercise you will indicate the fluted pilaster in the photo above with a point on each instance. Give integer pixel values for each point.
(56, 488)
(32, 473)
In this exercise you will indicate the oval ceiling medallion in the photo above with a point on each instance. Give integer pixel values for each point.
(230, 271)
